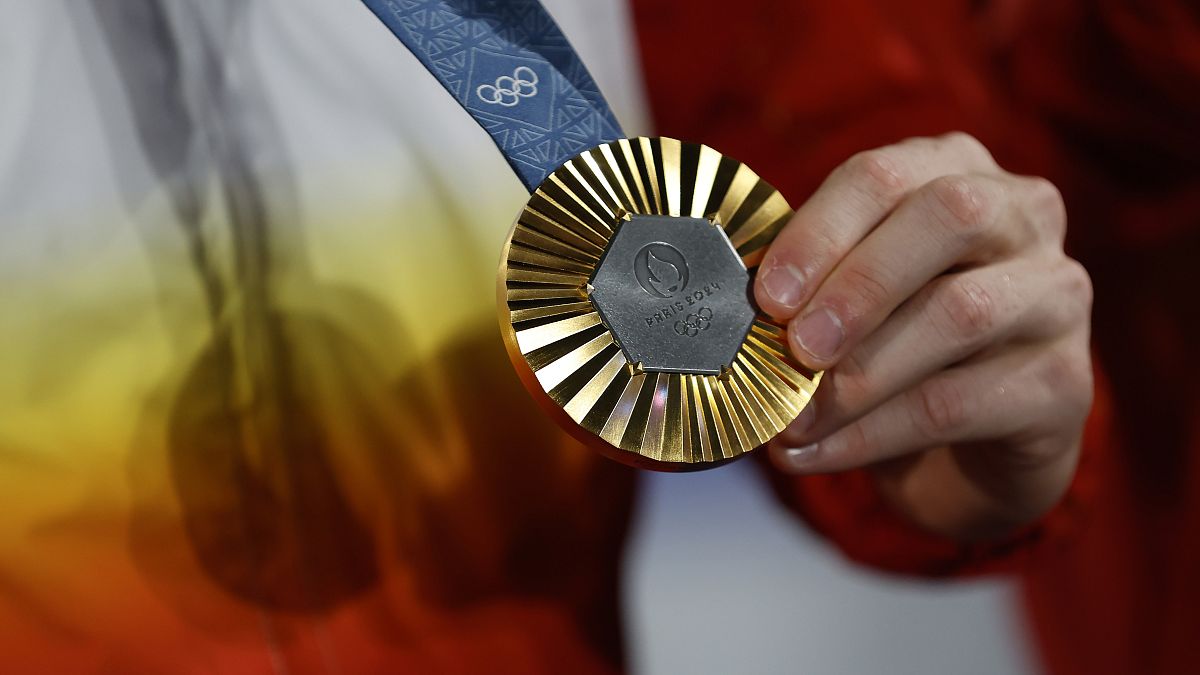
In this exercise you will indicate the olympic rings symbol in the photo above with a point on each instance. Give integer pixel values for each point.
(509, 90)
(694, 323)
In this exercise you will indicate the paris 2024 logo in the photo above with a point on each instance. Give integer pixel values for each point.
(662, 271)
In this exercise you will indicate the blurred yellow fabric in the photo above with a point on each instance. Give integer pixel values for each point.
(254, 408)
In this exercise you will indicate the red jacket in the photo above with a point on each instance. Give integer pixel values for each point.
(1104, 99)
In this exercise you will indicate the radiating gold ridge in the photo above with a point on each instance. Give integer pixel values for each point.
(568, 358)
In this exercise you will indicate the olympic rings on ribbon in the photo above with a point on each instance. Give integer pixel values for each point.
(509, 90)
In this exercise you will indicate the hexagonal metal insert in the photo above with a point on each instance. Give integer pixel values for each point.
(674, 293)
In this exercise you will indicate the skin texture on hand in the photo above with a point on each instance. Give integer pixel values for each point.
(933, 287)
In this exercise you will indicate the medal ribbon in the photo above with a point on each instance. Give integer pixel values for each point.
(511, 68)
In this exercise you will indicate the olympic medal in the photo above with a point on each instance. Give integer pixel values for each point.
(625, 297)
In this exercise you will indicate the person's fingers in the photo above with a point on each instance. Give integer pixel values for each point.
(949, 222)
(951, 319)
(850, 203)
(1028, 392)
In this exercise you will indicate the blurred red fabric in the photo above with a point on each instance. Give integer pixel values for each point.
(1101, 97)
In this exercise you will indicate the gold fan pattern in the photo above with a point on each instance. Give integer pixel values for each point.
(568, 358)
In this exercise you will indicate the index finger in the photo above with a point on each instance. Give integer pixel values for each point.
(855, 198)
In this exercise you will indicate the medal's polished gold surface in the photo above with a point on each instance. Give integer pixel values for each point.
(568, 356)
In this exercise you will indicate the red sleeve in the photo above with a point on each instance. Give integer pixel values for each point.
(1103, 98)
(793, 89)
(850, 513)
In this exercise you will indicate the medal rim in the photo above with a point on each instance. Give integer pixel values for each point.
(557, 411)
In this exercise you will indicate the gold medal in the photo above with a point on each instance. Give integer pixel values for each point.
(625, 305)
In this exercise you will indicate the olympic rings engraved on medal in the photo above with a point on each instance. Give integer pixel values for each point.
(509, 90)
(694, 323)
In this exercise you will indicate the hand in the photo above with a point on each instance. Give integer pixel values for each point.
(932, 286)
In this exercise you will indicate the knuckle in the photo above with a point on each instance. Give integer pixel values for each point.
(807, 241)
(853, 445)
(877, 175)
(1079, 285)
(851, 386)
(966, 143)
(1049, 210)
(1067, 374)
(939, 409)
(821, 242)
(867, 288)
(960, 204)
(968, 308)
(1047, 194)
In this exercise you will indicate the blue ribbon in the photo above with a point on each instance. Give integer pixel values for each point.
(509, 65)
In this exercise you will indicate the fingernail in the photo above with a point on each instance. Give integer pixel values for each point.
(797, 459)
(783, 283)
(820, 334)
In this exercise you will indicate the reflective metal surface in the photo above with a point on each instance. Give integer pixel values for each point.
(684, 413)
(675, 294)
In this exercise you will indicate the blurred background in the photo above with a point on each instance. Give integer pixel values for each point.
(255, 415)
(740, 586)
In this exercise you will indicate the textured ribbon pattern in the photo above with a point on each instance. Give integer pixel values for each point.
(510, 66)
